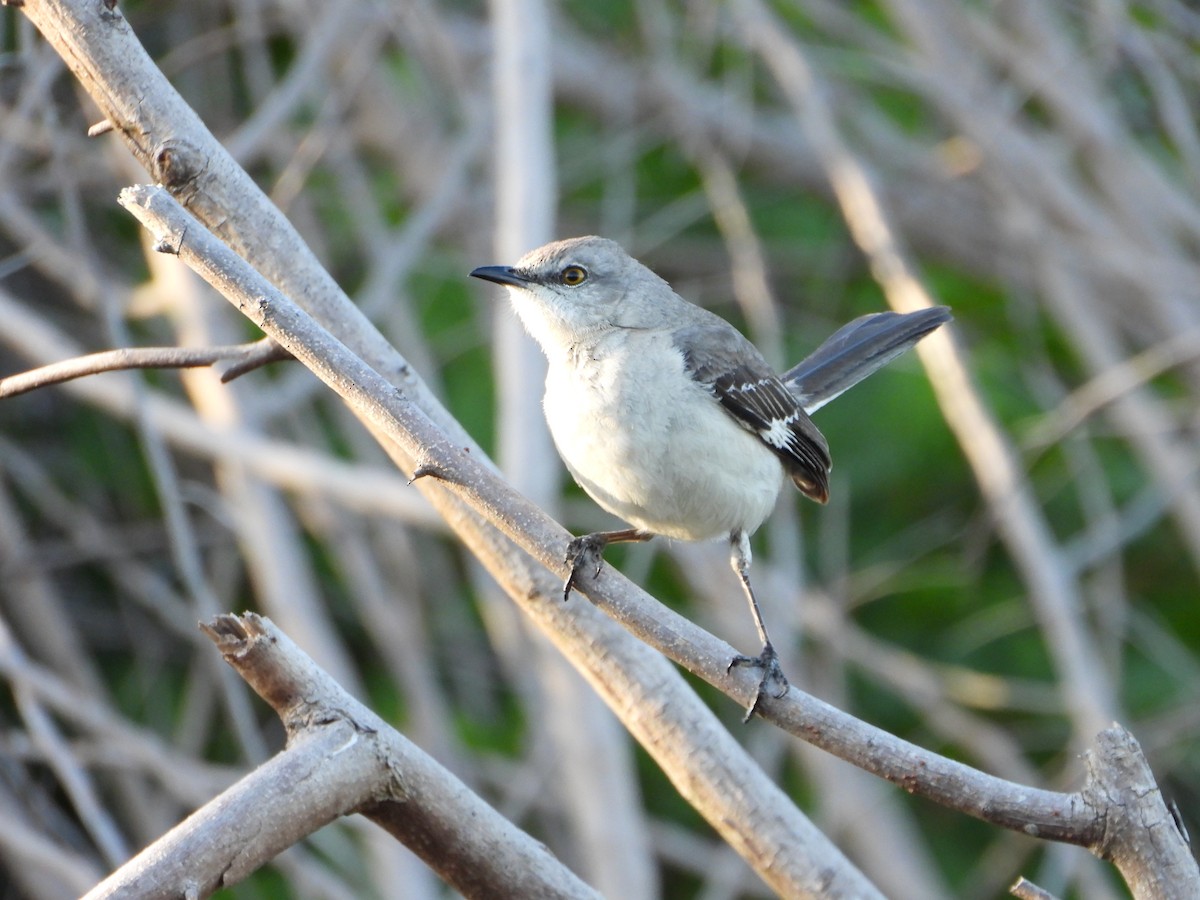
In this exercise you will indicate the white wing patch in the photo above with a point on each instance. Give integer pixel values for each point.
(779, 432)
(748, 386)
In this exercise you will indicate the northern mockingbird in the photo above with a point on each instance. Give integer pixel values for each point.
(668, 417)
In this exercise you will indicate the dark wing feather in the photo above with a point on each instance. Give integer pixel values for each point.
(718, 357)
(856, 350)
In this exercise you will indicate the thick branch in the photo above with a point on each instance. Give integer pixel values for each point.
(340, 758)
(256, 819)
(1140, 835)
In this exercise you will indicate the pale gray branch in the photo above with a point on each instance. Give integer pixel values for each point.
(245, 357)
(345, 759)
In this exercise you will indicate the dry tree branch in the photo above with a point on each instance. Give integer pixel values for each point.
(340, 758)
(1111, 385)
(369, 489)
(245, 358)
(1027, 890)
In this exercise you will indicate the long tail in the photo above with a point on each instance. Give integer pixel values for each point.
(856, 350)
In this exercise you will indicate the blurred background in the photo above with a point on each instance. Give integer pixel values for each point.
(1009, 560)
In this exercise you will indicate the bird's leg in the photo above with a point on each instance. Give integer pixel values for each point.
(767, 659)
(588, 550)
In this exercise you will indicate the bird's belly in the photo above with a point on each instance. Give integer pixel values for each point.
(685, 470)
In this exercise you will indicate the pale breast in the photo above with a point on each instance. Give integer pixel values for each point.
(653, 447)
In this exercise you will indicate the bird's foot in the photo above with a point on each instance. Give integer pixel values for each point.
(768, 661)
(583, 553)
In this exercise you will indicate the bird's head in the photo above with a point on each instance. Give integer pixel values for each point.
(567, 290)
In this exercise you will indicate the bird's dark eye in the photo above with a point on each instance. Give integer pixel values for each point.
(573, 275)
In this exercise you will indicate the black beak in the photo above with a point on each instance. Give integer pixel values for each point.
(501, 275)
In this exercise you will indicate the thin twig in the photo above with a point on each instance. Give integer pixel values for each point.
(1027, 890)
(246, 356)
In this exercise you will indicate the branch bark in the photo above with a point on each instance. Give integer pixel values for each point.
(340, 758)
(245, 357)
(1139, 833)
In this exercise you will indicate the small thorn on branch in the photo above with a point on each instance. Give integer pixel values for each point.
(104, 126)
(428, 470)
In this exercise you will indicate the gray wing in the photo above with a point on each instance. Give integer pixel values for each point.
(717, 356)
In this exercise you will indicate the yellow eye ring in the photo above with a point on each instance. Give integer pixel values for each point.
(572, 276)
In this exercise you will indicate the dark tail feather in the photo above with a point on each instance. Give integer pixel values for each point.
(856, 350)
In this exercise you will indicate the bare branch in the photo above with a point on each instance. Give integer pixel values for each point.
(347, 759)
(246, 357)
(257, 818)
(1140, 834)
(259, 354)
(1111, 385)
(371, 489)
(1027, 890)
(358, 762)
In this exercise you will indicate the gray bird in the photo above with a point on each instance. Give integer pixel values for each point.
(669, 417)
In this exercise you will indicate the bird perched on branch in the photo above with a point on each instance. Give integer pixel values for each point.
(669, 417)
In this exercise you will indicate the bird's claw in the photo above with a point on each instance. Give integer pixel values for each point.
(768, 661)
(582, 552)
